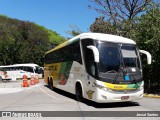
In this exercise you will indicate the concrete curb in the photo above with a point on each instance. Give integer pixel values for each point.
(151, 96)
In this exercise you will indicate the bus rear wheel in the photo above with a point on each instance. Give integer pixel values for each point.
(79, 94)
(51, 84)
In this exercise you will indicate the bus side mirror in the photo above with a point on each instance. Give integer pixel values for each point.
(149, 57)
(95, 52)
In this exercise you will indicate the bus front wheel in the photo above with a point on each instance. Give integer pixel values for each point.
(79, 94)
(48, 81)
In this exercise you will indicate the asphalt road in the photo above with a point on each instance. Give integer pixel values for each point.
(40, 98)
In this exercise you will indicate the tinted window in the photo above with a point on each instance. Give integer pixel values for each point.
(28, 69)
(67, 53)
(109, 56)
(130, 56)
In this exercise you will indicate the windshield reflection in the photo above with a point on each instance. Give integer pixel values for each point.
(112, 56)
(109, 57)
(117, 60)
(130, 56)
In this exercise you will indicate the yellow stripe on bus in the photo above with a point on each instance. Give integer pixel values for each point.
(54, 70)
(119, 87)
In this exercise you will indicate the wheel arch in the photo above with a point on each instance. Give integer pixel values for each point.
(79, 82)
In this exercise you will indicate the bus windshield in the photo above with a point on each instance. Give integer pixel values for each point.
(114, 56)
(109, 57)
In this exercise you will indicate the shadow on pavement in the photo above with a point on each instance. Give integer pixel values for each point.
(94, 104)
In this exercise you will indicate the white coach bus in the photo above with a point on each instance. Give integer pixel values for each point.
(16, 71)
(99, 67)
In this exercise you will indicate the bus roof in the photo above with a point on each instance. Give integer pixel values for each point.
(95, 36)
(18, 65)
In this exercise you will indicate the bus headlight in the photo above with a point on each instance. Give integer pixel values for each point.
(101, 87)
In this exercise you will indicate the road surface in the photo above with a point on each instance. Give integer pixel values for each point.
(40, 98)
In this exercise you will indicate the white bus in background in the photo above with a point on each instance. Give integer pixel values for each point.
(16, 71)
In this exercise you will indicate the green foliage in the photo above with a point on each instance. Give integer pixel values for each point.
(147, 35)
(24, 42)
(125, 28)
(55, 38)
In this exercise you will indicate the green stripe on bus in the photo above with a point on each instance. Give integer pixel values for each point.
(65, 68)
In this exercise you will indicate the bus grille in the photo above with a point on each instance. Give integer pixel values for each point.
(124, 91)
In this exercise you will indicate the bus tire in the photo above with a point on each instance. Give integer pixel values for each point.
(79, 94)
(48, 83)
(51, 84)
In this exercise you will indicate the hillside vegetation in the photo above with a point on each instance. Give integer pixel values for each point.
(25, 42)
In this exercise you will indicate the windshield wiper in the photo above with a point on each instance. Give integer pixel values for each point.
(111, 71)
(117, 75)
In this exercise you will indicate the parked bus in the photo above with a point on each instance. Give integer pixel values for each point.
(16, 71)
(99, 67)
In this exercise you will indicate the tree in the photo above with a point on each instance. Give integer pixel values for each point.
(120, 10)
(101, 26)
(147, 37)
(24, 42)
(120, 15)
(74, 31)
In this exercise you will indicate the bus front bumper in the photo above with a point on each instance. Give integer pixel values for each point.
(105, 97)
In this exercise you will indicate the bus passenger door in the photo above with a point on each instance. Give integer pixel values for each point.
(90, 68)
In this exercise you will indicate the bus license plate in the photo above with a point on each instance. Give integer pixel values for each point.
(124, 97)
